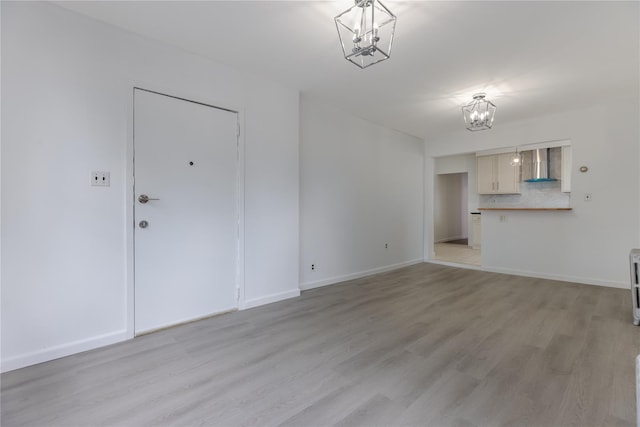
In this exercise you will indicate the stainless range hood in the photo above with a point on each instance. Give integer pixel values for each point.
(539, 166)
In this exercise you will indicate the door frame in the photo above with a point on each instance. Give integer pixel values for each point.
(129, 191)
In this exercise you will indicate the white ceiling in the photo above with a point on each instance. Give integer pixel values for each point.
(530, 58)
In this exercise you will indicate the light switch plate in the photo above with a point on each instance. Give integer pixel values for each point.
(100, 179)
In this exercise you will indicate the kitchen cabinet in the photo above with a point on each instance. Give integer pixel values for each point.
(485, 180)
(495, 175)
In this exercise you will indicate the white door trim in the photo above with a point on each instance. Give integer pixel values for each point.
(129, 195)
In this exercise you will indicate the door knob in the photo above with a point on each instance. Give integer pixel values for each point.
(143, 198)
(143, 224)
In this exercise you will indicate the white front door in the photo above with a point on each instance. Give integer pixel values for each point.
(186, 234)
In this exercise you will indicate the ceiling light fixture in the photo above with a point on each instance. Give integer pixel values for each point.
(516, 159)
(366, 32)
(479, 113)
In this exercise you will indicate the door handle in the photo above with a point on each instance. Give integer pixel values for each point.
(143, 198)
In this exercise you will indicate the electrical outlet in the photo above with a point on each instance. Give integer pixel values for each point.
(313, 267)
(503, 218)
(100, 179)
(587, 197)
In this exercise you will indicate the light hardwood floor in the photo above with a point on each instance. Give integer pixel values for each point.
(460, 254)
(423, 345)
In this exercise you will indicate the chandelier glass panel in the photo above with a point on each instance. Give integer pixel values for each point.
(366, 32)
(479, 113)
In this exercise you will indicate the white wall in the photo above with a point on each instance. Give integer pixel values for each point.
(453, 164)
(66, 96)
(450, 208)
(361, 186)
(591, 243)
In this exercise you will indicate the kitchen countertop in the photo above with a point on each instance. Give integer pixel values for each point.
(525, 209)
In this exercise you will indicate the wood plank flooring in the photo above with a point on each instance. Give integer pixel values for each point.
(426, 345)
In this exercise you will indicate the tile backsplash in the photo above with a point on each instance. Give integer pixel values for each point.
(532, 195)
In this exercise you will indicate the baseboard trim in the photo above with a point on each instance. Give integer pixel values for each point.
(269, 299)
(448, 239)
(338, 279)
(524, 273)
(558, 277)
(62, 350)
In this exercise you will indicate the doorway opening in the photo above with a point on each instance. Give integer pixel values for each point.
(454, 237)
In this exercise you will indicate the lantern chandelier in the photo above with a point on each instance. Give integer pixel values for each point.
(479, 113)
(366, 32)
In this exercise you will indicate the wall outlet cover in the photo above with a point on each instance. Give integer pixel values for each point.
(100, 179)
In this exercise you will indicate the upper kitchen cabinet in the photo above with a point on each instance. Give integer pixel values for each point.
(496, 175)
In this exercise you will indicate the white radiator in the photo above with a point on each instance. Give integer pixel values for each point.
(634, 261)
